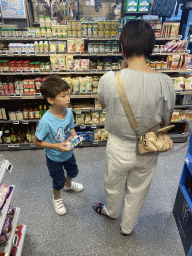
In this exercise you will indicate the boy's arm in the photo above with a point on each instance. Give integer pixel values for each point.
(73, 132)
(60, 146)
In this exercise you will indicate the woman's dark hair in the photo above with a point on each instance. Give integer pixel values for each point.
(52, 86)
(137, 38)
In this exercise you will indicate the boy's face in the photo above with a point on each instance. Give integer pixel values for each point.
(62, 100)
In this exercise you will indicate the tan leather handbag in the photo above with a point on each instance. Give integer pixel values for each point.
(151, 141)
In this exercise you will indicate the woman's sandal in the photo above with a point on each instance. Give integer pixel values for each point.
(98, 208)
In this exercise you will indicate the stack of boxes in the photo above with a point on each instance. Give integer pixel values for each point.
(137, 5)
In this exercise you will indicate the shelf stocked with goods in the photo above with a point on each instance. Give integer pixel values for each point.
(9, 216)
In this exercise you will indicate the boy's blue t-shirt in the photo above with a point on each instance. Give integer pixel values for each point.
(54, 130)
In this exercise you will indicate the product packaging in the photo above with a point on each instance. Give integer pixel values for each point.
(188, 83)
(179, 83)
(73, 141)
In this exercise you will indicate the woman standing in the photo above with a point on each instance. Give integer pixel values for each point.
(152, 98)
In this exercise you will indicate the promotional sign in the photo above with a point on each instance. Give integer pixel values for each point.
(13, 9)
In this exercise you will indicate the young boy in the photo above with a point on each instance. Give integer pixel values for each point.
(53, 129)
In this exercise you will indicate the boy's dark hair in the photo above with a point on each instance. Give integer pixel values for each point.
(137, 38)
(52, 86)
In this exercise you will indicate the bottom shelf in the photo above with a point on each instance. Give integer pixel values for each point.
(179, 138)
(20, 246)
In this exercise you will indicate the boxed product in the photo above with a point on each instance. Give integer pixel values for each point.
(131, 8)
(71, 47)
(179, 83)
(143, 8)
(188, 83)
(144, 2)
(188, 114)
(187, 61)
(175, 116)
(132, 2)
(73, 141)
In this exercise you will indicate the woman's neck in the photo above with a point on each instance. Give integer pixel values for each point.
(139, 63)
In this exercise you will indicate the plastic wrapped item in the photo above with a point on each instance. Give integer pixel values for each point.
(61, 62)
(54, 62)
(97, 134)
(76, 87)
(4, 194)
(104, 135)
(88, 119)
(69, 62)
(73, 141)
(179, 83)
(188, 83)
(95, 117)
(77, 64)
(102, 118)
(87, 135)
(79, 119)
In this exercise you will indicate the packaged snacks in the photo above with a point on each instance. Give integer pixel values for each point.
(102, 118)
(95, 117)
(82, 84)
(97, 134)
(69, 62)
(79, 45)
(88, 84)
(61, 47)
(71, 46)
(69, 80)
(97, 104)
(76, 87)
(77, 64)
(88, 119)
(175, 116)
(188, 114)
(182, 114)
(179, 83)
(104, 135)
(174, 29)
(188, 83)
(175, 62)
(54, 62)
(85, 64)
(61, 62)
(79, 118)
(187, 62)
(53, 46)
(73, 141)
(181, 62)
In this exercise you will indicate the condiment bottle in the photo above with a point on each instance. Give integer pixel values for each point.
(36, 46)
(13, 136)
(31, 112)
(40, 111)
(25, 113)
(7, 137)
(20, 137)
(36, 112)
(44, 109)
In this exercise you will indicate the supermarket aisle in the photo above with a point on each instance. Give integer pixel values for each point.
(82, 232)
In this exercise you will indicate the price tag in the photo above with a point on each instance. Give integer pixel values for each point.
(52, 52)
(78, 53)
(73, 71)
(9, 167)
(32, 145)
(11, 95)
(3, 36)
(104, 111)
(94, 70)
(43, 37)
(33, 53)
(12, 37)
(1, 71)
(84, 37)
(18, 95)
(4, 53)
(71, 37)
(108, 69)
(29, 71)
(113, 37)
(19, 37)
(25, 122)
(77, 112)
(15, 122)
(16, 145)
(15, 53)
(37, 94)
(36, 71)
(54, 37)
(82, 127)
(30, 36)
(23, 53)
(95, 142)
(94, 126)
(110, 53)
(10, 145)
(54, 71)
(18, 72)
(93, 53)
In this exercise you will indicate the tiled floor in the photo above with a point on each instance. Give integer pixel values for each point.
(82, 231)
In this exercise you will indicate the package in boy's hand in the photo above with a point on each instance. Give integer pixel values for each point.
(73, 141)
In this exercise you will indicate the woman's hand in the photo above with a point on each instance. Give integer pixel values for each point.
(63, 147)
(124, 65)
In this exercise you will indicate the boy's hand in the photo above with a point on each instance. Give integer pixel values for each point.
(63, 147)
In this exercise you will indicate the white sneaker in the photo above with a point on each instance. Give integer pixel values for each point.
(74, 186)
(59, 206)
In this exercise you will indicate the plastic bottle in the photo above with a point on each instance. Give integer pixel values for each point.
(31, 112)
(36, 46)
(36, 112)
(40, 111)
(25, 112)
(13, 136)
(44, 109)
(41, 46)
(46, 47)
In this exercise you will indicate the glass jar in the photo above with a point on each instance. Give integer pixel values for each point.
(90, 29)
(19, 115)
(163, 65)
(115, 66)
(115, 47)
(42, 66)
(96, 48)
(95, 29)
(158, 65)
(102, 47)
(90, 47)
(107, 47)
(37, 65)
(153, 64)
(84, 29)
(101, 25)
(107, 66)
(5, 65)
(100, 65)
(47, 66)
(12, 116)
(92, 64)
(107, 33)
(32, 66)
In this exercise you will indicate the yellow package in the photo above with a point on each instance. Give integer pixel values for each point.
(61, 47)
(88, 119)
(53, 46)
(104, 134)
(75, 82)
(88, 84)
(95, 117)
(69, 62)
(54, 62)
(97, 134)
(79, 119)
(102, 118)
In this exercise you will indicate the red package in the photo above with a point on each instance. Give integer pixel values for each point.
(19, 65)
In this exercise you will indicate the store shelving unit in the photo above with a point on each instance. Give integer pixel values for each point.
(37, 96)
(6, 166)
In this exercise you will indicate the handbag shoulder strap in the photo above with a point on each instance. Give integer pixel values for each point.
(124, 101)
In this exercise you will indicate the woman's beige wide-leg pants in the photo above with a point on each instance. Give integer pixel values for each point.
(129, 173)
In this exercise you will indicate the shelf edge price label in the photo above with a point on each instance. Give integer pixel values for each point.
(9, 167)
(15, 53)
(4, 53)
(32, 145)
(12, 37)
(84, 37)
(77, 112)
(113, 37)
(71, 37)
(20, 37)
(30, 36)
(52, 52)
(94, 126)
(25, 122)
(10, 145)
(109, 69)
(110, 53)
(54, 37)
(16, 145)
(18, 95)
(29, 71)
(72, 71)
(18, 71)
(23, 53)
(179, 36)
(104, 111)
(78, 53)
(33, 53)
(43, 37)
(11, 95)
(3, 36)
(15, 122)
(37, 94)
(93, 53)
(54, 71)
(95, 142)
(36, 71)
(82, 127)
(94, 70)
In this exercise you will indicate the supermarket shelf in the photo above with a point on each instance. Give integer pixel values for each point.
(92, 126)
(5, 209)
(168, 38)
(183, 92)
(21, 146)
(183, 106)
(171, 53)
(22, 97)
(20, 246)
(3, 169)
(14, 225)
(176, 71)
(179, 138)
(180, 121)
(92, 144)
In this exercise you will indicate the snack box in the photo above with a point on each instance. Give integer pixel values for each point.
(73, 141)
(144, 2)
(142, 8)
(131, 8)
(132, 2)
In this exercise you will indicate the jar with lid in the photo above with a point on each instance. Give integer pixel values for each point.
(101, 33)
(12, 116)
(7, 137)
(90, 29)
(153, 64)
(37, 65)
(19, 115)
(32, 66)
(47, 66)
(100, 65)
(107, 47)
(96, 48)
(158, 65)
(47, 21)
(115, 66)
(84, 29)
(43, 31)
(90, 47)
(92, 65)
(95, 81)
(115, 47)
(164, 65)
(102, 47)
(49, 32)
(107, 33)
(107, 66)
(95, 29)
(42, 66)
(101, 25)
(5, 65)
